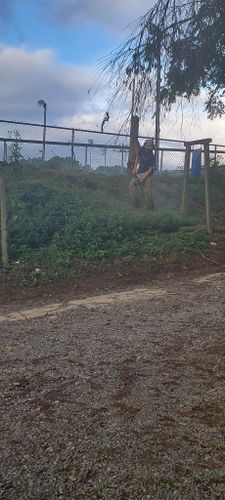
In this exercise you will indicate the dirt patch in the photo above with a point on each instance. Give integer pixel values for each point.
(94, 302)
(124, 276)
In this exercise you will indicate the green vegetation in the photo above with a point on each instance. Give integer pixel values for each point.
(64, 223)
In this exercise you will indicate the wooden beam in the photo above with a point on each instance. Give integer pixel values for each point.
(200, 141)
(207, 193)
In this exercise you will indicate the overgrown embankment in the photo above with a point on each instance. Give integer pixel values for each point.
(64, 223)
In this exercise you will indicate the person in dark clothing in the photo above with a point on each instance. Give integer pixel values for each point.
(140, 187)
(145, 160)
(146, 157)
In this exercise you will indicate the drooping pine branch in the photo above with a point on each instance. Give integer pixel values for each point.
(190, 35)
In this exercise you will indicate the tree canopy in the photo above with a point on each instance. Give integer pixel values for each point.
(189, 35)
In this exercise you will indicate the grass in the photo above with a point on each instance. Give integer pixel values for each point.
(63, 222)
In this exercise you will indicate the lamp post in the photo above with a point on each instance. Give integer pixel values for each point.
(43, 104)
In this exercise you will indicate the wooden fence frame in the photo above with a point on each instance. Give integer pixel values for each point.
(205, 143)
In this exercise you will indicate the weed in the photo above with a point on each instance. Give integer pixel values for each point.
(166, 486)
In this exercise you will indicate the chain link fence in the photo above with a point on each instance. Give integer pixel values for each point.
(102, 152)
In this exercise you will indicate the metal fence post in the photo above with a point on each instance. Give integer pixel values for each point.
(72, 145)
(44, 131)
(86, 153)
(161, 160)
(215, 154)
(5, 155)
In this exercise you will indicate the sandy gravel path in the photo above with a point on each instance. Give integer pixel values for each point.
(118, 396)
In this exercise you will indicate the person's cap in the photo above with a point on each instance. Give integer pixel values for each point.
(149, 144)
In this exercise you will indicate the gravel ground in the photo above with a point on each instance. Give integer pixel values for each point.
(117, 400)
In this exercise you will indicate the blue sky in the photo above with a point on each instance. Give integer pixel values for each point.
(50, 49)
(28, 23)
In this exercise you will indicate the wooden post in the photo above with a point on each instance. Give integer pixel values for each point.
(4, 231)
(186, 175)
(207, 194)
(133, 149)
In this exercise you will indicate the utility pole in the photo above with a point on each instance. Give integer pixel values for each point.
(158, 102)
(43, 104)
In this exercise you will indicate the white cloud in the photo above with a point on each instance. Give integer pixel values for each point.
(27, 76)
(172, 126)
(191, 123)
(91, 121)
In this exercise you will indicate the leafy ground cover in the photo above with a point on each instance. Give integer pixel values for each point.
(64, 223)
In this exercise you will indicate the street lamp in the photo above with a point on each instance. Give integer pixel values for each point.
(43, 104)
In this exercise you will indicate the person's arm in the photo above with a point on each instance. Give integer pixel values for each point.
(135, 165)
